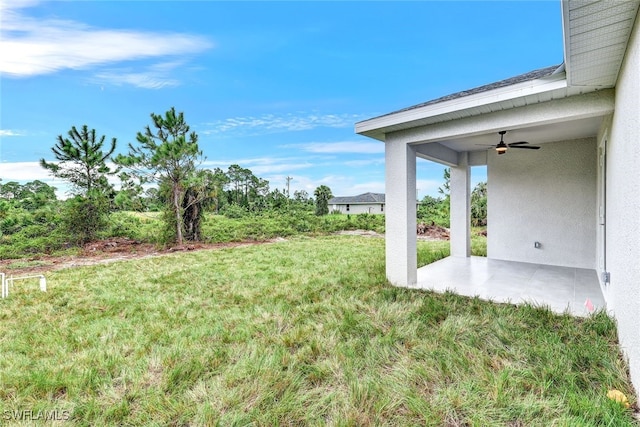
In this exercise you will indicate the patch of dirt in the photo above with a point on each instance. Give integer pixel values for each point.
(432, 232)
(425, 232)
(365, 233)
(108, 251)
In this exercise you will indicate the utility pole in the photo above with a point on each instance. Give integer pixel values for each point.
(288, 180)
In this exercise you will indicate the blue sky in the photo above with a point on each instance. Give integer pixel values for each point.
(275, 87)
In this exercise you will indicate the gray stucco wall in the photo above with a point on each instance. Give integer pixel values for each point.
(623, 207)
(546, 196)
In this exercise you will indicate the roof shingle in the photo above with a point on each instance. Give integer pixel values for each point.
(531, 75)
(361, 198)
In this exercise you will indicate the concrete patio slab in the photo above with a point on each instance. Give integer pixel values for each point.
(562, 289)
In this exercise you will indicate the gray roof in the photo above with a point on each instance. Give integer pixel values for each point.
(531, 75)
(359, 199)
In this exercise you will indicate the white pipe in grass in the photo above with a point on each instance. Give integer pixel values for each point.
(5, 282)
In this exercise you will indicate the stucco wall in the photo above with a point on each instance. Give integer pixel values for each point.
(358, 209)
(623, 207)
(546, 196)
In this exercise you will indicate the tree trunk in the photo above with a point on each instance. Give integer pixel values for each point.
(177, 208)
(192, 215)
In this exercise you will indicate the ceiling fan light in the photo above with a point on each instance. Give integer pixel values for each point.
(501, 148)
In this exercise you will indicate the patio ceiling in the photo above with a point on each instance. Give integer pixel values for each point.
(535, 135)
(562, 119)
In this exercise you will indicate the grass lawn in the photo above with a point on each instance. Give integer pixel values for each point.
(304, 332)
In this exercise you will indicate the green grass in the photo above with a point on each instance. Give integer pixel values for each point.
(478, 242)
(305, 332)
(432, 250)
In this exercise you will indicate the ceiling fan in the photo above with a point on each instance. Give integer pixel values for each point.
(502, 147)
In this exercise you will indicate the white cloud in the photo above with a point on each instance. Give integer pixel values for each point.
(22, 171)
(271, 123)
(341, 147)
(9, 132)
(428, 186)
(364, 163)
(33, 47)
(156, 76)
(366, 187)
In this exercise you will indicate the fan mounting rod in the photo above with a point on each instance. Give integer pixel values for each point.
(501, 148)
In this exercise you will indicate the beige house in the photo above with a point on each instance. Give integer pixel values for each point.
(573, 204)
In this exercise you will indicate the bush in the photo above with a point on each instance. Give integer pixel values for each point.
(233, 211)
(84, 217)
(368, 221)
(14, 220)
(30, 241)
(134, 226)
(121, 224)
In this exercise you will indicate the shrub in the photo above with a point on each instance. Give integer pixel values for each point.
(233, 211)
(121, 224)
(84, 217)
(30, 241)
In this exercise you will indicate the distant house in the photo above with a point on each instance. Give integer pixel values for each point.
(372, 203)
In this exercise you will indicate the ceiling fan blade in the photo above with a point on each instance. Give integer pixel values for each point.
(528, 147)
(517, 143)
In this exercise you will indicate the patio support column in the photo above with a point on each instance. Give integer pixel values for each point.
(400, 215)
(460, 207)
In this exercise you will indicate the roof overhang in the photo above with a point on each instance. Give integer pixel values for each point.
(596, 34)
(518, 95)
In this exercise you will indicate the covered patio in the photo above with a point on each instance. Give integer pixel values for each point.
(561, 289)
(562, 211)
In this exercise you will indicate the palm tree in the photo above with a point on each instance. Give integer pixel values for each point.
(323, 194)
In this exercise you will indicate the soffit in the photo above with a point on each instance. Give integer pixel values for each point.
(596, 33)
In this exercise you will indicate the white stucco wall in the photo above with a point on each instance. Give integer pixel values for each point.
(546, 196)
(623, 207)
(373, 208)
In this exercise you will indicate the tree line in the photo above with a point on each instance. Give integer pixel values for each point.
(159, 172)
(436, 210)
